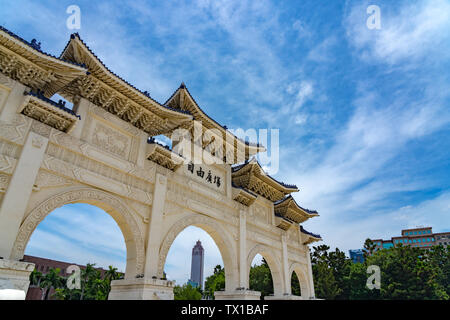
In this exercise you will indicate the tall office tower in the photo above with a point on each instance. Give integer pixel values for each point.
(197, 264)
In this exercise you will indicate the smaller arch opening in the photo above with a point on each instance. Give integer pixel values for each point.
(260, 278)
(296, 289)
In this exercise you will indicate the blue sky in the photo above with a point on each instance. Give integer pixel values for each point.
(363, 114)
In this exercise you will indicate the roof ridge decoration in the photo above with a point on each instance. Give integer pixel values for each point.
(251, 176)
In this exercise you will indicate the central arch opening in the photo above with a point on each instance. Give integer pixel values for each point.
(195, 263)
(220, 261)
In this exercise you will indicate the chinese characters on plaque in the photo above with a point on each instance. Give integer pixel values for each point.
(207, 176)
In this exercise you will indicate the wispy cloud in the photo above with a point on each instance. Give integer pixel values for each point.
(410, 33)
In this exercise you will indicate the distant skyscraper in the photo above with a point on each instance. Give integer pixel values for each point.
(197, 264)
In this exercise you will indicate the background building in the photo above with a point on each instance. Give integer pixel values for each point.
(442, 238)
(421, 237)
(357, 255)
(197, 264)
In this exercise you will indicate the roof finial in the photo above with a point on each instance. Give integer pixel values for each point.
(182, 85)
(35, 44)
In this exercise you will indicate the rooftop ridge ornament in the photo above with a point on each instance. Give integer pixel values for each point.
(36, 45)
(182, 85)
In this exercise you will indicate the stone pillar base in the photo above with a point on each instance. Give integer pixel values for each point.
(284, 297)
(237, 295)
(141, 289)
(14, 279)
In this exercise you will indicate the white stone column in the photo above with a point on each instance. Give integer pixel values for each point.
(312, 293)
(243, 279)
(14, 279)
(287, 279)
(13, 102)
(16, 198)
(154, 228)
(142, 154)
(240, 293)
(81, 108)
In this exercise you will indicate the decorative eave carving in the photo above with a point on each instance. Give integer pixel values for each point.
(289, 208)
(282, 222)
(252, 177)
(243, 196)
(107, 90)
(309, 237)
(26, 63)
(182, 100)
(48, 112)
(163, 156)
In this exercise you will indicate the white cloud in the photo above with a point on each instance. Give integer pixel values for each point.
(414, 32)
(322, 52)
(302, 30)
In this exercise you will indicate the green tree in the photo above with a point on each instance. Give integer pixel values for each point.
(340, 265)
(407, 273)
(51, 280)
(186, 292)
(369, 248)
(261, 279)
(325, 284)
(295, 285)
(215, 282)
(329, 270)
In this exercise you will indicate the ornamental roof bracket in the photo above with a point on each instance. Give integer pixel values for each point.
(51, 113)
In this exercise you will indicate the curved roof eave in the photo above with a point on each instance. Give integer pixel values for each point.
(142, 94)
(289, 197)
(252, 146)
(38, 52)
(253, 161)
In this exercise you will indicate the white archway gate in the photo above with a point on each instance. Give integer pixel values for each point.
(99, 153)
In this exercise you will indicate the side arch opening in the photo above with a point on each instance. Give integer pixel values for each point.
(266, 271)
